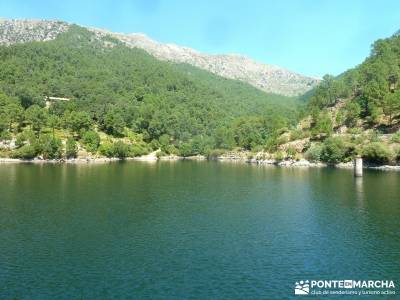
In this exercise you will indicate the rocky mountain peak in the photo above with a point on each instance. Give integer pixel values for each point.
(22, 31)
(266, 77)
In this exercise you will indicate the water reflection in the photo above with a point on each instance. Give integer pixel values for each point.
(183, 230)
(359, 191)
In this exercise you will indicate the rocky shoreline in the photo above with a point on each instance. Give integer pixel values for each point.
(303, 163)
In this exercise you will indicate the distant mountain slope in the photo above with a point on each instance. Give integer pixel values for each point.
(22, 31)
(265, 77)
(268, 78)
(129, 89)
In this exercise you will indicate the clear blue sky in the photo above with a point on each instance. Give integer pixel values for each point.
(313, 37)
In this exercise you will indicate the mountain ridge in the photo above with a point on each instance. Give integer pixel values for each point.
(123, 102)
(269, 78)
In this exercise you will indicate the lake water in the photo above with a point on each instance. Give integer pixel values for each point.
(191, 230)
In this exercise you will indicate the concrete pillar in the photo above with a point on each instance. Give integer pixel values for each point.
(358, 166)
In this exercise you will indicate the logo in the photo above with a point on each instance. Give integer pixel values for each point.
(345, 287)
(348, 284)
(302, 288)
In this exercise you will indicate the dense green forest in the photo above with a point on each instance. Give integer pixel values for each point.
(358, 112)
(124, 102)
(373, 88)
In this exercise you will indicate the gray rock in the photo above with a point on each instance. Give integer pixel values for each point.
(266, 77)
(301, 163)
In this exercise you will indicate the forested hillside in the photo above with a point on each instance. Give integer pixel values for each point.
(356, 113)
(124, 102)
(268, 78)
(371, 90)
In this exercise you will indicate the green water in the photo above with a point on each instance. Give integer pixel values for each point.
(191, 230)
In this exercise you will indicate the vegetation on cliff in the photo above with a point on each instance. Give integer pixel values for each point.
(356, 113)
(124, 102)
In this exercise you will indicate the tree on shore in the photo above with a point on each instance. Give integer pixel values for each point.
(36, 117)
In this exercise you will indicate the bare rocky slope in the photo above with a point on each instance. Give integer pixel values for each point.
(23, 31)
(263, 76)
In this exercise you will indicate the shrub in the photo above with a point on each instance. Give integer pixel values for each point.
(291, 151)
(121, 150)
(154, 144)
(4, 122)
(77, 121)
(4, 153)
(91, 140)
(107, 149)
(186, 149)
(257, 148)
(314, 152)
(201, 144)
(297, 157)
(71, 148)
(118, 149)
(377, 153)
(296, 134)
(279, 156)
(24, 137)
(250, 156)
(323, 125)
(396, 137)
(340, 117)
(215, 153)
(283, 139)
(373, 136)
(51, 147)
(170, 149)
(25, 152)
(398, 154)
(353, 111)
(271, 144)
(20, 140)
(139, 149)
(160, 154)
(36, 117)
(335, 150)
(5, 135)
(114, 123)
(374, 114)
(164, 141)
(355, 130)
(282, 130)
